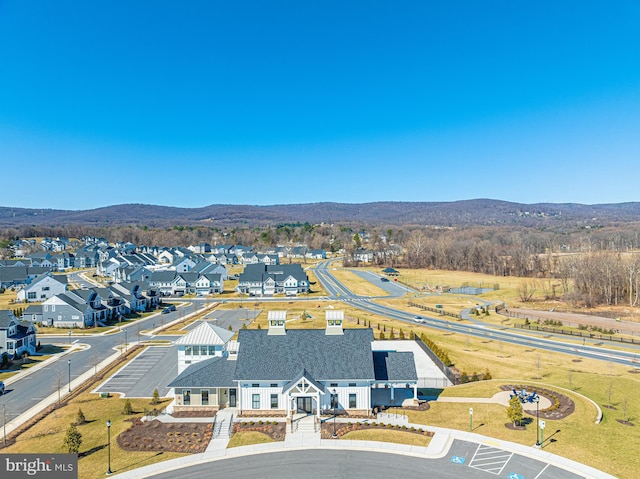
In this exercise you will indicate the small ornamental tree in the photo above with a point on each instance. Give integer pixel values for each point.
(72, 440)
(514, 411)
(80, 419)
(156, 397)
(127, 409)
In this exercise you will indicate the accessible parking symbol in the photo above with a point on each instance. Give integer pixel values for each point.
(458, 460)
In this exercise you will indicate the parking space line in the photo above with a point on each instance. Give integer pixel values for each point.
(490, 459)
(543, 469)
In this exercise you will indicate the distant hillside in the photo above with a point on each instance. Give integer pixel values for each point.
(455, 213)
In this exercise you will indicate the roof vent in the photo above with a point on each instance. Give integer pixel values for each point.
(334, 322)
(277, 321)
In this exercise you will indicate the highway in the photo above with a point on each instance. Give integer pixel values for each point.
(338, 291)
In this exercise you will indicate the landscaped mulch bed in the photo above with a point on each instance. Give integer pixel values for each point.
(188, 437)
(326, 432)
(561, 405)
(274, 429)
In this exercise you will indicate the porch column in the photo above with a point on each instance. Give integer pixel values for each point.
(318, 404)
(391, 385)
(415, 391)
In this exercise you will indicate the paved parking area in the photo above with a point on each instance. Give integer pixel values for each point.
(154, 368)
(496, 462)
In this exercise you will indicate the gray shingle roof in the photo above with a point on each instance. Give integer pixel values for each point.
(394, 366)
(325, 357)
(211, 373)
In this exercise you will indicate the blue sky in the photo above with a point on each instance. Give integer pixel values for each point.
(205, 102)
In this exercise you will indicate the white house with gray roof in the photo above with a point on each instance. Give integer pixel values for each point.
(280, 372)
(43, 287)
(267, 280)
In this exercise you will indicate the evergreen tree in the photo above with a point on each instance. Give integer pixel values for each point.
(72, 440)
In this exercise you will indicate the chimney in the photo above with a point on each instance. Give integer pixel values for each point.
(277, 321)
(334, 322)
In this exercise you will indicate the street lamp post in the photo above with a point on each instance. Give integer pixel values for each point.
(108, 446)
(69, 364)
(125, 340)
(470, 419)
(542, 425)
(333, 405)
(536, 399)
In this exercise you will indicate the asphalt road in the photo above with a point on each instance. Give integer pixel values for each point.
(339, 291)
(464, 460)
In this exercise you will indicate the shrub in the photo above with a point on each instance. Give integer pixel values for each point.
(127, 409)
(155, 399)
(80, 419)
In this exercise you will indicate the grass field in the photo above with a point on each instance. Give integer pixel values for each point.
(246, 438)
(47, 435)
(384, 435)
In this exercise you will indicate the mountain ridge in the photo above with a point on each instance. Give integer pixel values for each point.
(480, 211)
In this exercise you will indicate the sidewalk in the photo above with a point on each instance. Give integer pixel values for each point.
(437, 448)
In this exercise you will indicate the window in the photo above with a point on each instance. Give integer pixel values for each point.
(187, 350)
(274, 401)
(212, 350)
(203, 350)
(333, 385)
(196, 350)
(352, 401)
(186, 397)
(352, 385)
(334, 401)
(205, 397)
(31, 295)
(46, 288)
(255, 401)
(255, 385)
(274, 385)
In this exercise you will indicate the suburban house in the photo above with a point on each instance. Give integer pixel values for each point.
(267, 280)
(43, 287)
(16, 276)
(74, 309)
(16, 337)
(276, 372)
(171, 282)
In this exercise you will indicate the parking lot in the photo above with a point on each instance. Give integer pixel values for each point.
(154, 368)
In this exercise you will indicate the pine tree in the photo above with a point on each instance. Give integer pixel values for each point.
(155, 399)
(80, 419)
(72, 440)
(127, 408)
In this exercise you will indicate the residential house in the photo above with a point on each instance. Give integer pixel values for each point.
(16, 337)
(74, 309)
(43, 287)
(316, 254)
(32, 314)
(267, 280)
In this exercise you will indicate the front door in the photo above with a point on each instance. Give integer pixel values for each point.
(232, 397)
(304, 405)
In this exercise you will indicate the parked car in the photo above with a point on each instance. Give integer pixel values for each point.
(384, 279)
(418, 319)
(168, 309)
(1, 387)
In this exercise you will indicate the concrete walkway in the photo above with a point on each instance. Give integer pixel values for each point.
(501, 398)
(438, 447)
